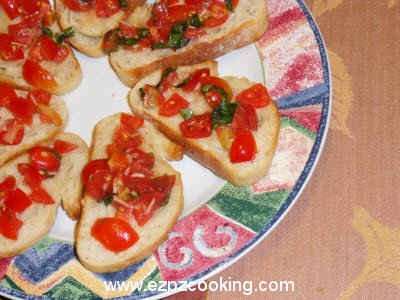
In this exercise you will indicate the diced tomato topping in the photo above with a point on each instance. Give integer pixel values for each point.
(244, 147)
(145, 206)
(35, 75)
(106, 8)
(39, 96)
(163, 184)
(134, 122)
(48, 115)
(118, 162)
(18, 201)
(139, 157)
(30, 7)
(26, 31)
(12, 133)
(7, 94)
(93, 166)
(79, 5)
(194, 33)
(225, 136)
(10, 7)
(219, 15)
(63, 147)
(256, 95)
(41, 196)
(7, 185)
(45, 158)
(152, 96)
(9, 224)
(48, 48)
(191, 85)
(126, 137)
(32, 177)
(168, 82)
(182, 12)
(62, 54)
(9, 51)
(100, 184)
(143, 43)
(114, 234)
(218, 82)
(110, 41)
(22, 109)
(223, 2)
(245, 117)
(173, 106)
(213, 98)
(199, 126)
(48, 18)
(128, 31)
(159, 15)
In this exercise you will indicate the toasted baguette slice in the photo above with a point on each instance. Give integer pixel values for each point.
(65, 187)
(35, 134)
(90, 252)
(67, 74)
(245, 25)
(208, 151)
(89, 29)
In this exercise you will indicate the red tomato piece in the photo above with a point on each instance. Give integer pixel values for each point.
(35, 75)
(256, 95)
(12, 133)
(144, 43)
(106, 8)
(9, 224)
(39, 96)
(7, 94)
(244, 147)
(32, 177)
(30, 7)
(134, 122)
(48, 48)
(225, 136)
(93, 166)
(126, 137)
(213, 98)
(26, 31)
(45, 158)
(218, 82)
(111, 149)
(168, 82)
(41, 196)
(199, 126)
(63, 147)
(48, 115)
(194, 81)
(114, 234)
(18, 201)
(22, 109)
(100, 184)
(159, 15)
(145, 206)
(163, 184)
(34, 53)
(181, 12)
(152, 96)
(7, 185)
(138, 184)
(245, 117)
(10, 7)
(219, 15)
(194, 33)
(139, 157)
(79, 5)
(62, 54)
(118, 162)
(173, 106)
(8, 50)
(223, 2)
(127, 30)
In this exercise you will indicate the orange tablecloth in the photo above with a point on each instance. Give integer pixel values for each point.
(342, 237)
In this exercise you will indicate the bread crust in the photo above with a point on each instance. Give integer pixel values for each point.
(249, 32)
(39, 218)
(88, 249)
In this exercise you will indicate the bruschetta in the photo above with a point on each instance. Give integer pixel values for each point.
(33, 52)
(32, 187)
(184, 32)
(132, 196)
(28, 119)
(229, 125)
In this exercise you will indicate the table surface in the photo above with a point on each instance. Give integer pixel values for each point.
(342, 237)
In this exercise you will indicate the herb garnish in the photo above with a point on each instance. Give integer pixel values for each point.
(165, 74)
(223, 114)
(107, 199)
(67, 33)
(186, 113)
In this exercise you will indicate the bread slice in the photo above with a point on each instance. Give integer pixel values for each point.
(89, 29)
(245, 25)
(90, 252)
(67, 74)
(65, 187)
(208, 151)
(35, 134)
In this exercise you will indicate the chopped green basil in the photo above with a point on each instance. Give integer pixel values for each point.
(133, 195)
(165, 201)
(67, 33)
(122, 3)
(107, 199)
(183, 83)
(179, 27)
(165, 74)
(195, 21)
(142, 93)
(229, 5)
(143, 32)
(128, 41)
(57, 155)
(46, 173)
(186, 113)
(209, 87)
(223, 114)
(47, 31)
(176, 41)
